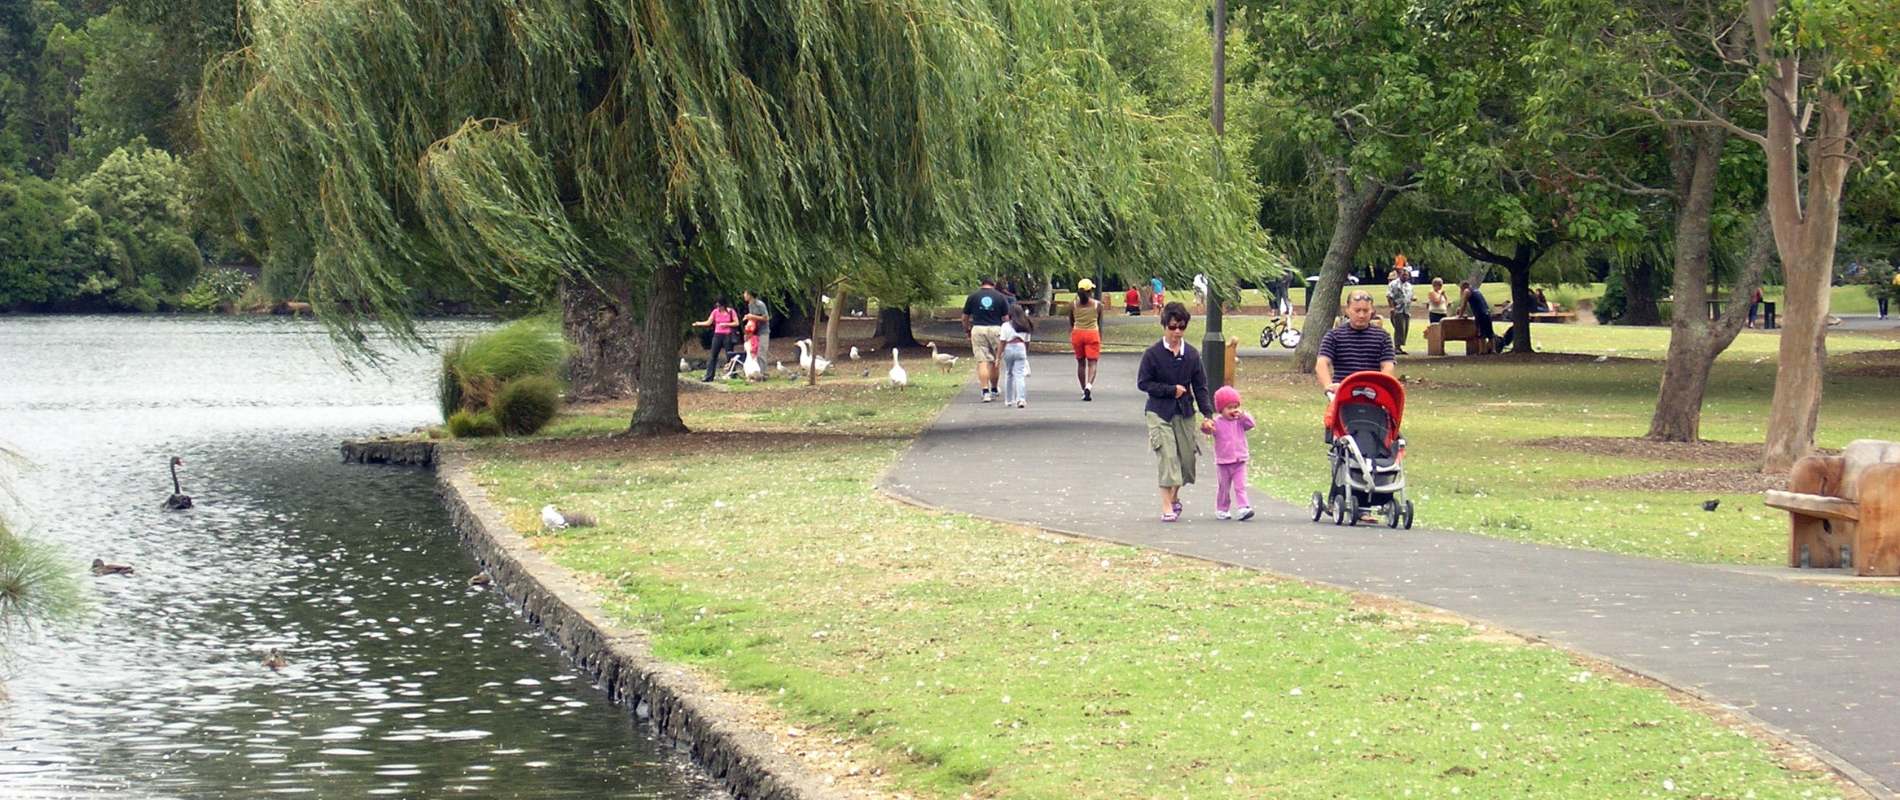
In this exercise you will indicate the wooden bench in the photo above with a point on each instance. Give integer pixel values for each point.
(1555, 317)
(1845, 510)
(1455, 329)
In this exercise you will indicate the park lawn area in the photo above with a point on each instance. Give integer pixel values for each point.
(1850, 299)
(1611, 340)
(1516, 448)
(956, 657)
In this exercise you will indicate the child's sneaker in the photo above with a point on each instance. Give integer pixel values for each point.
(1223, 515)
(986, 395)
(1245, 513)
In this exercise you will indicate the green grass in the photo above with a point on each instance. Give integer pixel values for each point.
(965, 658)
(1471, 467)
(1845, 299)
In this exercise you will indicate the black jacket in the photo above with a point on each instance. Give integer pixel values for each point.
(1161, 371)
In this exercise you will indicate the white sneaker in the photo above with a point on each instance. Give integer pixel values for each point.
(1022, 404)
(986, 395)
(1245, 513)
(1223, 515)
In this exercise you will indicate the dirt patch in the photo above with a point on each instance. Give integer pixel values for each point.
(1432, 383)
(1703, 481)
(1736, 453)
(1871, 364)
(1541, 358)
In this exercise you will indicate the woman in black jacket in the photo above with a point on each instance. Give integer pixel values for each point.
(1175, 381)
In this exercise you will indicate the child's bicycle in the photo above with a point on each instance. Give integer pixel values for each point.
(1280, 329)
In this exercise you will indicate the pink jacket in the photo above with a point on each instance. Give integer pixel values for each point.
(1230, 438)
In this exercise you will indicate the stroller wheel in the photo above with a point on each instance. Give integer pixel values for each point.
(1351, 507)
(1319, 506)
(1408, 515)
(1338, 507)
(1392, 514)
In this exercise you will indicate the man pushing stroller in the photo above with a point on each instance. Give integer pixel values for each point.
(1365, 445)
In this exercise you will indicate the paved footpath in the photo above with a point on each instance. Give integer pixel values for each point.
(1820, 664)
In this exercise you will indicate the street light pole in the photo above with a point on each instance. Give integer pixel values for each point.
(1214, 344)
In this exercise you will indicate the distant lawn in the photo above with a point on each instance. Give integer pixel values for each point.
(961, 658)
(1611, 340)
(1471, 464)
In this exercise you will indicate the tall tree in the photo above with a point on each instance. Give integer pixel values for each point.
(1811, 83)
(736, 141)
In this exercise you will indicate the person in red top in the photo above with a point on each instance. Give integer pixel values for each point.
(723, 321)
(1131, 302)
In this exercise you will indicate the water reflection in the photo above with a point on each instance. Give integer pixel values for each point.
(402, 680)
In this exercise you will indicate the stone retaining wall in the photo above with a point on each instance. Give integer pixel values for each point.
(400, 452)
(684, 713)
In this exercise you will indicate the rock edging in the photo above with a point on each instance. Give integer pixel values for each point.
(384, 450)
(684, 712)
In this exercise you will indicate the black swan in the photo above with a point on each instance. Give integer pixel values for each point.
(100, 567)
(179, 501)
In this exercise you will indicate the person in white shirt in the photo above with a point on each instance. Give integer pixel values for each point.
(1013, 354)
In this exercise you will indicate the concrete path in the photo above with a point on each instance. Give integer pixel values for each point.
(1820, 664)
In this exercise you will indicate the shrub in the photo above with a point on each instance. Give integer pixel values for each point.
(473, 424)
(36, 586)
(480, 366)
(215, 288)
(526, 404)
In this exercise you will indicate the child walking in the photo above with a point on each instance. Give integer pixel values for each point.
(1230, 454)
(1013, 354)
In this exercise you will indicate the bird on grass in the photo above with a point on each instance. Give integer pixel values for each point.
(945, 361)
(685, 367)
(555, 519)
(179, 501)
(809, 361)
(753, 372)
(854, 353)
(100, 567)
(274, 660)
(899, 377)
(1709, 505)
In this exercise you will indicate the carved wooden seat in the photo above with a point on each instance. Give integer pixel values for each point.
(1845, 510)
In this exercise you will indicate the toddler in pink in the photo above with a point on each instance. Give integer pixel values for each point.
(1230, 454)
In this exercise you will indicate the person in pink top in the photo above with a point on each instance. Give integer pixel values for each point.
(724, 322)
(1230, 454)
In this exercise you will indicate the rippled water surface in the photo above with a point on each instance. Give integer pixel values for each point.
(403, 681)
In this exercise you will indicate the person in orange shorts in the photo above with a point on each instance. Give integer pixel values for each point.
(1085, 335)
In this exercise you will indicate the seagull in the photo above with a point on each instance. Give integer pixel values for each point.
(854, 353)
(551, 518)
(685, 367)
(899, 377)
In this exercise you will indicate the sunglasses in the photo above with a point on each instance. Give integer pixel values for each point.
(1177, 327)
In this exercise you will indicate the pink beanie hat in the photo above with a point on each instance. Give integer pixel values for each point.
(1226, 396)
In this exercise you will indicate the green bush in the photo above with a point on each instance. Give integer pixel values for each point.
(473, 424)
(36, 586)
(448, 387)
(526, 404)
(215, 288)
(483, 364)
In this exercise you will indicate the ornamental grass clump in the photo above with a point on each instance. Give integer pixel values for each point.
(525, 405)
(473, 424)
(478, 372)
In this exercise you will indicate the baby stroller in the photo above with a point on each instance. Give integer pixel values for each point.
(1367, 453)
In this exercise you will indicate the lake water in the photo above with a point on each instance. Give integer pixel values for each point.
(403, 681)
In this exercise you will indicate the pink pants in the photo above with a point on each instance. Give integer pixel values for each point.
(1233, 477)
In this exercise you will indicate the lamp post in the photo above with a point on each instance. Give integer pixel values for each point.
(1214, 344)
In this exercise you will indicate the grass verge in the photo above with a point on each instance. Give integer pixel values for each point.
(956, 657)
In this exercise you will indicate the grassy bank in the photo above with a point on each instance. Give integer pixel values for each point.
(952, 657)
(1525, 448)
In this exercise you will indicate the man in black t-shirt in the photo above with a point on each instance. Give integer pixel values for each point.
(983, 314)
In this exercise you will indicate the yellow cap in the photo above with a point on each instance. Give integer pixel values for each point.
(1085, 285)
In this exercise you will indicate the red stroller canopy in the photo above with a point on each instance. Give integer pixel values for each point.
(1376, 388)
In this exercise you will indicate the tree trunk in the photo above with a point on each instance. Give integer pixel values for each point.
(1523, 303)
(1357, 209)
(893, 327)
(658, 411)
(597, 319)
(831, 324)
(1639, 295)
(1805, 238)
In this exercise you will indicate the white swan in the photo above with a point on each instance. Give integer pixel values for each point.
(806, 359)
(899, 377)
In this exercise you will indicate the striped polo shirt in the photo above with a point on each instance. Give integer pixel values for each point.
(1356, 349)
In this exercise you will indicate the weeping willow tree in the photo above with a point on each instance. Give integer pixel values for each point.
(514, 144)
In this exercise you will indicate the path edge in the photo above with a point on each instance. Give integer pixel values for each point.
(1854, 777)
(667, 699)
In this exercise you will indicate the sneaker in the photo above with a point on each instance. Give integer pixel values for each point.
(1171, 516)
(987, 396)
(1177, 507)
(1085, 396)
(1245, 513)
(1022, 404)
(1223, 515)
